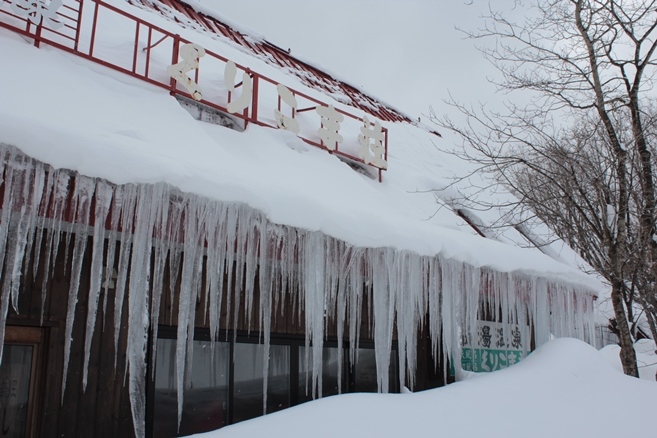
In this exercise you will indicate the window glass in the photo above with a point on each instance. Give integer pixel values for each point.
(365, 372)
(205, 405)
(329, 373)
(248, 396)
(15, 373)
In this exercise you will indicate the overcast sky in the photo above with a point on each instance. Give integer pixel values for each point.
(407, 53)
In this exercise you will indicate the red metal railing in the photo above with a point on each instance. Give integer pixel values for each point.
(87, 32)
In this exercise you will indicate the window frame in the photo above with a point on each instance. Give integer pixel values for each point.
(34, 337)
(294, 342)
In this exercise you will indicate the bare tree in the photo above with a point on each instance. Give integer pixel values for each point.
(580, 153)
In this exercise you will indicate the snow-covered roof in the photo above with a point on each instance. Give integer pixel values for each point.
(195, 15)
(79, 114)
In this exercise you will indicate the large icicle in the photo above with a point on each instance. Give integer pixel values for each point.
(265, 282)
(148, 201)
(5, 218)
(384, 313)
(162, 245)
(127, 220)
(117, 201)
(103, 198)
(189, 285)
(82, 197)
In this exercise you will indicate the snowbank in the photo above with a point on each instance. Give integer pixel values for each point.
(564, 389)
(646, 356)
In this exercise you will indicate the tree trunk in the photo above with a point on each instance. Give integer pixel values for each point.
(653, 329)
(627, 353)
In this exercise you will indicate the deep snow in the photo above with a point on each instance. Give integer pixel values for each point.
(564, 389)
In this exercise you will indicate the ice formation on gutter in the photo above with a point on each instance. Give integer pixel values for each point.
(151, 226)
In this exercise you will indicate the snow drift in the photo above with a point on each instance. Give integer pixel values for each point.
(564, 389)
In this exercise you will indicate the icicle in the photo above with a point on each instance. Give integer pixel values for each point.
(41, 224)
(48, 190)
(117, 202)
(103, 198)
(434, 307)
(7, 208)
(359, 274)
(314, 298)
(148, 200)
(252, 240)
(401, 314)
(265, 283)
(451, 312)
(32, 198)
(127, 220)
(384, 305)
(189, 285)
(82, 196)
(57, 208)
(174, 232)
(341, 303)
(161, 251)
(26, 183)
(410, 306)
(216, 266)
(231, 246)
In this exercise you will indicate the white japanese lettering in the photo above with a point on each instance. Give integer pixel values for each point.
(242, 102)
(374, 133)
(283, 121)
(35, 11)
(190, 54)
(330, 126)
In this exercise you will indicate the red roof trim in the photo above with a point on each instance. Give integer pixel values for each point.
(281, 58)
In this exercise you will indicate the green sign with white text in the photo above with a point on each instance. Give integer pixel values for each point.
(496, 346)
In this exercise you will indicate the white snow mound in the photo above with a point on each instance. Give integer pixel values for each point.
(564, 389)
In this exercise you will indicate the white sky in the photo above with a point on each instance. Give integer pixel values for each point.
(407, 53)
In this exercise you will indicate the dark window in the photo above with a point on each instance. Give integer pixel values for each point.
(248, 392)
(18, 381)
(225, 385)
(329, 373)
(15, 376)
(364, 373)
(205, 401)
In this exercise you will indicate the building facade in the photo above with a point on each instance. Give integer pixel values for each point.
(134, 307)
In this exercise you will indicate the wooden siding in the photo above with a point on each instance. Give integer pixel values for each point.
(103, 409)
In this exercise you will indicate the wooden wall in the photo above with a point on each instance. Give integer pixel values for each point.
(103, 409)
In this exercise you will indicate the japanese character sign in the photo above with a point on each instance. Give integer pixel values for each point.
(37, 10)
(485, 336)
(190, 54)
(371, 140)
(330, 126)
(500, 338)
(516, 342)
(491, 348)
(241, 103)
(283, 121)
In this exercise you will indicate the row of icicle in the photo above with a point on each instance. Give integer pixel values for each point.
(327, 278)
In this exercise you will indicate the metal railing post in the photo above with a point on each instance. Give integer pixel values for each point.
(255, 97)
(174, 60)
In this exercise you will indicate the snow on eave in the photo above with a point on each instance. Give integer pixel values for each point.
(136, 133)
